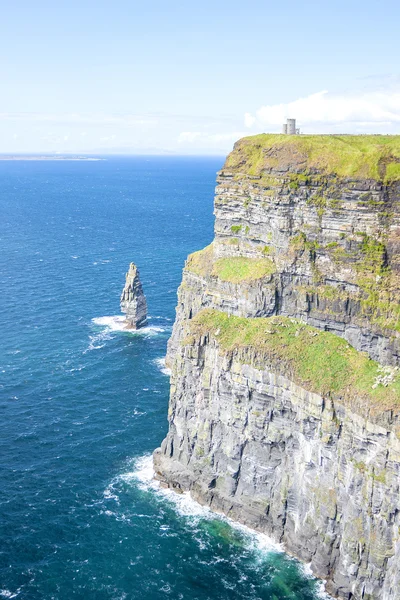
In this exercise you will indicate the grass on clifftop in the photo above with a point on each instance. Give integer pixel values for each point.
(359, 156)
(234, 269)
(318, 360)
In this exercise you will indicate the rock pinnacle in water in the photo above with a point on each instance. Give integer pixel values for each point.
(133, 300)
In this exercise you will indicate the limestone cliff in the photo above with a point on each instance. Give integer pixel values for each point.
(321, 213)
(133, 300)
(274, 419)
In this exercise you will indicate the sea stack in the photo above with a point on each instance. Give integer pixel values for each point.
(133, 300)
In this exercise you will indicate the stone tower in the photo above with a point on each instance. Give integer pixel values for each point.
(289, 128)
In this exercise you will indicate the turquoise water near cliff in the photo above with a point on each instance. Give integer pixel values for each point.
(84, 404)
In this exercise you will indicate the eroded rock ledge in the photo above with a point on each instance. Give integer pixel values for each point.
(319, 473)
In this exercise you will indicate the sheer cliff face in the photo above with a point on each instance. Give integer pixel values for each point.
(313, 474)
(333, 241)
(305, 448)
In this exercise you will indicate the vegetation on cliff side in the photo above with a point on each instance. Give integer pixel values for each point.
(318, 360)
(234, 269)
(359, 156)
(240, 268)
(366, 258)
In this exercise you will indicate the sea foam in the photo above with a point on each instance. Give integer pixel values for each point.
(160, 363)
(142, 476)
(8, 594)
(118, 323)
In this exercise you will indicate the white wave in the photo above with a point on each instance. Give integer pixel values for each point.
(321, 592)
(95, 342)
(113, 324)
(150, 330)
(7, 594)
(158, 317)
(78, 368)
(109, 494)
(160, 362)
(143, 473)
(187, 507)
(143, 476)
(138, 413)
(118, 323)
(92, 346)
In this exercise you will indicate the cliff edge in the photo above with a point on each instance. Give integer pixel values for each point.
(285, 387)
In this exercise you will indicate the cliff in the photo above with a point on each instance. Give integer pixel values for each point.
(285, 389)
(306, 227)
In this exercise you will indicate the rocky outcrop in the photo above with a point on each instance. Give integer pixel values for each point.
(307, 229)
(133, 300)
(316, 474)
(334, 241)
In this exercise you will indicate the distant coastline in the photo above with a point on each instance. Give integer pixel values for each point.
(38, 157)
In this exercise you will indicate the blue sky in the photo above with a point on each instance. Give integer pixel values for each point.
(175, 77)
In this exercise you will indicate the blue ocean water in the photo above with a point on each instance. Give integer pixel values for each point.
(84, 404)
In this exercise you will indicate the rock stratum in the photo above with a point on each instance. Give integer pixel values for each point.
(133, 300)
(285, 388)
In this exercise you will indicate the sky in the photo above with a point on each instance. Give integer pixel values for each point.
(169, 77)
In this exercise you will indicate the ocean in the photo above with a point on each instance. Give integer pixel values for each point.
(84, 403)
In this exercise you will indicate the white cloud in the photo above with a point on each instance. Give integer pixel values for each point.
(249, 120)
(77, 118)
(203, 138)
(189, 137)
(108, 138)
(376, 110)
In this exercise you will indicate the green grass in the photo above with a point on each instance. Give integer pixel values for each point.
(235, 269)
(393, 172)
(201, 262)
(240, 268)
(319, 361)
(359, 156)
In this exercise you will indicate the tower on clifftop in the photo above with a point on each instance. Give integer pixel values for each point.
(289, 128)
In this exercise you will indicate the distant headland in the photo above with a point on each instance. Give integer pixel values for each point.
(46, 157)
